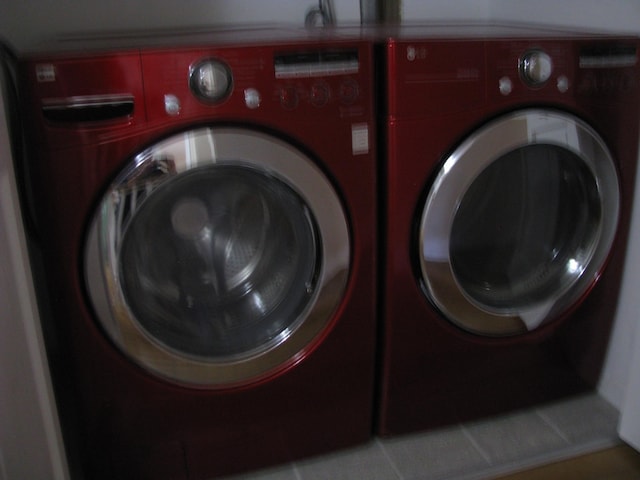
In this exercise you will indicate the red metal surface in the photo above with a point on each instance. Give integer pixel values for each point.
(127, 424)
(439, 91)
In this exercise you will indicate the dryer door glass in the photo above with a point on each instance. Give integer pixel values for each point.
(519, 223)
(525, 228)
(217, 257)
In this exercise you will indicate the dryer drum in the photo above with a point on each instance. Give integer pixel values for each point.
(519, 222)
(526, 228)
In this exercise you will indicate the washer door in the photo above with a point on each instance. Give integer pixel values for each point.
(218, 256)
(518, 223)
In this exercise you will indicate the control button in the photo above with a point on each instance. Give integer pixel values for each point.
(320, 94)
(563, 84)
(289, 97)
(505, 85)
(349, 91)
(411, 53)
(172, 105)
(360, 139)
(210, 80)
(536, 67)
(252, 98)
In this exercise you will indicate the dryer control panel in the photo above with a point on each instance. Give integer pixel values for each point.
(447, 76)
(552, 70)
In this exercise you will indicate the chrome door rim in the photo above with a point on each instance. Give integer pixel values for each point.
(459, 171)
(237, 146)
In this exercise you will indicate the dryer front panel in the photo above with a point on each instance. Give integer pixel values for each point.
(218, 256)
(518, 223)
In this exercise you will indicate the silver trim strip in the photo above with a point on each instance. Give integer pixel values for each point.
(317, 70)
(86, 101)
(608, 61)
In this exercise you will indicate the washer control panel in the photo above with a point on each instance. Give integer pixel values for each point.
(317, 77)
(300, 82)
(273, 81)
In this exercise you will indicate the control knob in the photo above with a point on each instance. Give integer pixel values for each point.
(210, 80)
(536, 68)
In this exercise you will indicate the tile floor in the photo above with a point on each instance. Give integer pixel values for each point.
(472, 451)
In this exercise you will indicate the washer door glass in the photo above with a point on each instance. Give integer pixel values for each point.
(518, 223)
(217, 257)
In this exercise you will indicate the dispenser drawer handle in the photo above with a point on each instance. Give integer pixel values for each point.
(88, 108)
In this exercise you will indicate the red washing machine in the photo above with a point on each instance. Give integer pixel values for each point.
(204, 206)
(511, 159)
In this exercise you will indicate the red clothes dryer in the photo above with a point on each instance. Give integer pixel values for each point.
(204, 207)
(510, 168)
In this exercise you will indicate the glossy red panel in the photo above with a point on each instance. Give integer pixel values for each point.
(435, 78)
(125, 422)
(434, 373)
(60, 80)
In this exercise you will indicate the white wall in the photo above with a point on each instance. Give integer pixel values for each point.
(30, 444)
(24, 21)
(630, 420)
(597, 14)
(621, 378)
(421, 10)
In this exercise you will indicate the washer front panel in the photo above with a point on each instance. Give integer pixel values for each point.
(518, 223)
(217, 257)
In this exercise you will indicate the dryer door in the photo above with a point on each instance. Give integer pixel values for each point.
(217, 257)
(519, 223)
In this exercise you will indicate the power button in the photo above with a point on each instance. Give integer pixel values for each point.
(320, 94)
(289, 97)
(349, 91)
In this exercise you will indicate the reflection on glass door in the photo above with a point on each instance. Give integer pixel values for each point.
(518, 223)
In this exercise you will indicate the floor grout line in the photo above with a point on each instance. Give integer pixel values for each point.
(553, 426)
(388, 458)
(476, 445)
(296, 472)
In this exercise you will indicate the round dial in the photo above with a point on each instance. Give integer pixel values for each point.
(536, 67)
(210, 80)
(289, 97)
(320, 94)
(349, 91)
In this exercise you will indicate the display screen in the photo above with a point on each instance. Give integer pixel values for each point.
(316, 63)
(608, 56)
